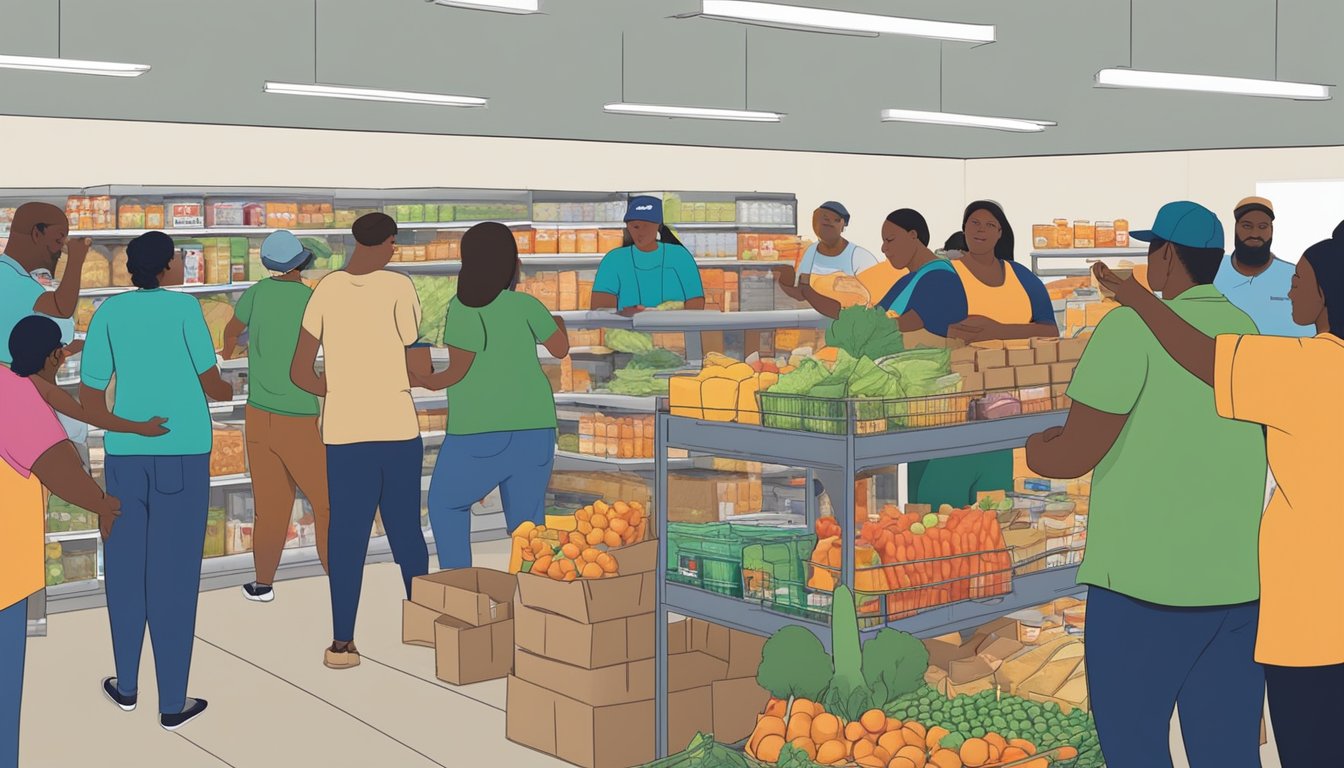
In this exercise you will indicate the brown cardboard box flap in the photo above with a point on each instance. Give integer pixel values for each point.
(476, 596)
(604, 686)
(963, 671)
(1021, 358)
(694, 670)
(417, 624)
(584, 645)
(617, 736)
(465, 654)
(591, 601)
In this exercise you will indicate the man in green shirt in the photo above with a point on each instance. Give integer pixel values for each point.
(1177, 495)
(284, 445)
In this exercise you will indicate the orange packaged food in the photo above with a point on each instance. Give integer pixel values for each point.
(1084, 234)
(1043, 236)
(1105, 234)
(524, 239)
(546, 241)
(609, 240)
(569, 241)
(1063, 233)
(586, 241)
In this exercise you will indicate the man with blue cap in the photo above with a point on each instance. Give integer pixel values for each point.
(650, 268)
(1177, 495)
(284, 445)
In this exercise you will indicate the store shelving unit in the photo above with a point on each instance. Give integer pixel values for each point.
(835, 460)
(1075, 262)
(570, 212)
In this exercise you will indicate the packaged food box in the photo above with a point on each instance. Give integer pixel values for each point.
(185, 214)
(225, 215)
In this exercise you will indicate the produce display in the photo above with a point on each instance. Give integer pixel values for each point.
(1018, 376)
(724, 390)
(435, 292)
(581, 553)
(640, 377)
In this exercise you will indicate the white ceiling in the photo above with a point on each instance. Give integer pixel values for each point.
(547, 76)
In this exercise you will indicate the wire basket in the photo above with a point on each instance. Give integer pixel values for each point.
(866, 415)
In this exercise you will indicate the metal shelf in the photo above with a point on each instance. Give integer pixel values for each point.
(189, 232)
(573, 261)
(578, 462)
(72, 535)
(692, 320)
(608, 400)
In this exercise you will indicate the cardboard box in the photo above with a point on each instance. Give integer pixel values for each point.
(735, 704)
(417, 624)
(1000, 379)
(740, 651)
(990, 358)
(691, 712)
(1033, 376)
(465, 654)
(964, 355)
(616, 736)
(974, 382)
(1062, 373)
(1018, 358)
(630, 594)
(476, 596)
(604, 686)
(1047, 351)
(584, 645)
(1071, 349)
(963, 369)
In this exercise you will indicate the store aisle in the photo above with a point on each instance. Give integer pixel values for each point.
(272, 703)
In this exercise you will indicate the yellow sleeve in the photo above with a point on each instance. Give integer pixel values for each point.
(312, 314)
(1268, 380)
(408, 312)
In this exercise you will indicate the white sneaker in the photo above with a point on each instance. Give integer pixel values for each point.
(258, 593)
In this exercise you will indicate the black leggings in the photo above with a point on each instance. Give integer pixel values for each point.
(1306, 705)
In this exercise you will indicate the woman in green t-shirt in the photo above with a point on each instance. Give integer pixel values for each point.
(501, 412)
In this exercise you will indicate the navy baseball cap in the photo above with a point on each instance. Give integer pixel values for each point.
(1184, 223)
(645, 208)
(282, 252)
(837, 208)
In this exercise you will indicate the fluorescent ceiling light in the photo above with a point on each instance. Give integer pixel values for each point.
(1176, 81)
(373, 94)
(74, 66)
(967, 121)
(818, 19)
(701, 113)
(503, 6)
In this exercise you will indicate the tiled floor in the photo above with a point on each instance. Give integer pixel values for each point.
(272, 703)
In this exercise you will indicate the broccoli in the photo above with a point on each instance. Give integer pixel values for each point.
(794, 665)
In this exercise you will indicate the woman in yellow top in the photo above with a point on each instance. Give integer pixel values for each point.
(1291, 386)
(1002, 300)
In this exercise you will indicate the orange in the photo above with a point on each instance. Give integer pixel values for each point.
(825, 727)
(599, 521)
(622, 509)
(870, 761)
(862, 749)
(554, 571)
(542, 565)
(901, 762)
(832, 752)
(882, 754)
(569, 576)
(914, 754)
(997, 741)
(806, 706)
(800, 725)
(591, 571)
(774, 708)
(1024, 745)
(1012, 753)
(1067, 753)
(874, 721)
(607, 562)
(595, 537)
(915, 726)
(568, 566)
(892, 741)
(612, 539)
(807, 745)
(590, 555)
(854, 731)
(618, 525)
(585, 527)
(768, 750)
(571, 551)
(584, 515)
(975, 753)
(766, 726)
(893, 724)
(1039, 762)
(944, 758)
(600, 507)
(914, 736)
(935, 736)
(577, 539)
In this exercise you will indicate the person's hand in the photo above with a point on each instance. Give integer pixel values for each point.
(74, 348)
(1127, 291)
(631, 311)
(108, 512)
(78, 248)
(152, 428)
(976, 328)
(786, 275)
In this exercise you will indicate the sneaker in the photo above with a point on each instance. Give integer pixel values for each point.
(127, 703)
(173, 722)
(346, 659)
(258, 593)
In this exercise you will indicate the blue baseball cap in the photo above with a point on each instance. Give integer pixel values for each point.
(282, 252)
(645, 208)
(836, 208)
(1184, 223)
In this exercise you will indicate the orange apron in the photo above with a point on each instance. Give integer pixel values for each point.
(1007, 304)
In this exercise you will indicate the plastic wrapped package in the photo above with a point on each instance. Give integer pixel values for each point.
(214, 533)
(228, 452)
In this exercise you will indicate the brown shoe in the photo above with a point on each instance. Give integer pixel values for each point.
(341, 659)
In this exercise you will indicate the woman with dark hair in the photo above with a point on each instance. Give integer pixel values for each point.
(1291, 386)
(157, 345)
(651, 268)
(501, 412)
(1004, 299)
(930, 296)
(954, 246)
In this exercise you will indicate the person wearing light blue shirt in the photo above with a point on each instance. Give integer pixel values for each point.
(1255, 280)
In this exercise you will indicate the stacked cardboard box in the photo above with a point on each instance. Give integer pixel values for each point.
(582, 687)
(466, 615)
(1028, 375)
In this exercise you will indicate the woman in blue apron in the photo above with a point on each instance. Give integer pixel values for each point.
(651, 268)
(930, 296)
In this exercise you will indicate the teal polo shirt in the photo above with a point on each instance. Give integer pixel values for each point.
(1175, 510)
(157, 344)
(1263, 297)
(636, 278)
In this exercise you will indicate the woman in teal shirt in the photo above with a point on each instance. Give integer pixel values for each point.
(501, 413)
(652, 267)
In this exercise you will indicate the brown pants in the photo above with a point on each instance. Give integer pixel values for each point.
(284, 452)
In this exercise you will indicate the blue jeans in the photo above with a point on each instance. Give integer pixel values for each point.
(153, 567)
(13, 645)
(1144, 659)
(364, 478)
(471, 466)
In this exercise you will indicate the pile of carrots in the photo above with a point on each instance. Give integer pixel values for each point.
(961, 556)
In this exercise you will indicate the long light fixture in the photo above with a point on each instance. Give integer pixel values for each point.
(965, 121)
(373, 94)
(1176, 81)
(73, 66)
(698, 113)
(843, 22)
(502, 6)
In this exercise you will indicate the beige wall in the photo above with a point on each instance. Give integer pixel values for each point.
(157, 153)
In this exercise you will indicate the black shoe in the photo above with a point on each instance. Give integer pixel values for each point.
(258, 593)
(127, 703)
(173, 722)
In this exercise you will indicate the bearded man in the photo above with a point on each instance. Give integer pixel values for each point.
(1255, 280)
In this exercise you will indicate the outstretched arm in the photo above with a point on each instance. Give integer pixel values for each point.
(63, 403)
(459, 362)
(62, 472)
(62, 301)
(1076, 448)
(1185, 343)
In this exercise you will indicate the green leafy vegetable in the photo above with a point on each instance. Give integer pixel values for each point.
(630, 342)
(848, 696)
(657, 359)
(637, 381)
(802, 379)
(436, 292)
(865, 332)
(794, 665)
(895, 660)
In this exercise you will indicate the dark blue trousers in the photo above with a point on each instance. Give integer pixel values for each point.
(13, 644)
(1306, 705)
(365, 478)
(1143, 660)
(152, 561)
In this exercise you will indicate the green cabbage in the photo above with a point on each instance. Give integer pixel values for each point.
(802, 379)
(865, 332)
(658, 360)
(436, 292)
(631, 342)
